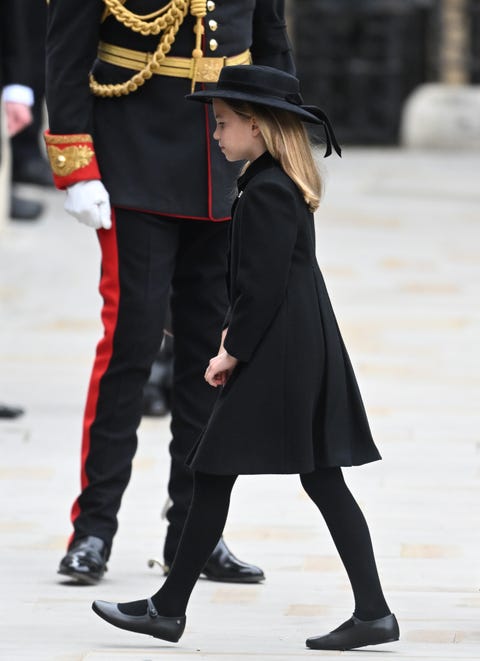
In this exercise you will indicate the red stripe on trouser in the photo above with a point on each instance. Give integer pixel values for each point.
(110, 292)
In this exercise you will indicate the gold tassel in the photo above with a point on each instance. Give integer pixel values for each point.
(198, 8)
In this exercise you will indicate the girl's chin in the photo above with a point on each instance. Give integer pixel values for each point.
(233, 159)
(230, 158)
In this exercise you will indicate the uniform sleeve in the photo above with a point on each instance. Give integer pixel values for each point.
(271, 45)
(267, 232)
(71, 47)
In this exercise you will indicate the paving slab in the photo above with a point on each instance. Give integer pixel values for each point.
(398, 240)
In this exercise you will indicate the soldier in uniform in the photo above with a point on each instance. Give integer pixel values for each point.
(17, 95)
(118, 72)
(15, 75)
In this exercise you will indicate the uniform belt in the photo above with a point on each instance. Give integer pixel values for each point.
(205, 69)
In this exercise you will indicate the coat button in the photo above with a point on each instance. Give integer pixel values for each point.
(213, 25)
(213, 43)
(210, 5)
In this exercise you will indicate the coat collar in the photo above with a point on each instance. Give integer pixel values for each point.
(260, 164)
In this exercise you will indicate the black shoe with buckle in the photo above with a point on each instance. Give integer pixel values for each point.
(358, 633)
(151, 623)
(85, 561)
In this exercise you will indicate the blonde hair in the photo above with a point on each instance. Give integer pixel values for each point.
(287, 141)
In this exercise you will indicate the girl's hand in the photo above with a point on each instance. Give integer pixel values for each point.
(221, 347)
(220, 369)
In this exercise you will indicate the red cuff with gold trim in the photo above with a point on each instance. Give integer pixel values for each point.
(72, 158)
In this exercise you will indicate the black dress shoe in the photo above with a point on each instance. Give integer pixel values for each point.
(151, 624)
(22, 209)
(35, 171)
(86, 561)
(224, 567)
(10, 412)
(358, 633)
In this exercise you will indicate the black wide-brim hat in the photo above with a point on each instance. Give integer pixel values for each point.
(269, 87)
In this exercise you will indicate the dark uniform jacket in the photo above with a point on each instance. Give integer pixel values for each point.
(155, 150)
(292, 403)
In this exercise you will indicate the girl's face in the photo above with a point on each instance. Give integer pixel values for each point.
(238, 137)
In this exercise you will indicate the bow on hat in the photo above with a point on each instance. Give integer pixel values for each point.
(330, 137)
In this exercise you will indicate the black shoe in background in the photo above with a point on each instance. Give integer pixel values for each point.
(22, 209)
(224, 567)
(10, 412)
(34, 171)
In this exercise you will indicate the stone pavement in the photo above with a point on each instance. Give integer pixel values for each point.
(399, 243)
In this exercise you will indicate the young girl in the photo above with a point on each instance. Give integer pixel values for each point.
(289, 401)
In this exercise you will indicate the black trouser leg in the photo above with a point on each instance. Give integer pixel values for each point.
(138, 256)
(198, 306)
(349, 530)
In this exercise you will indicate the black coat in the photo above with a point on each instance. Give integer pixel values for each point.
(292, 403)
(155, 149)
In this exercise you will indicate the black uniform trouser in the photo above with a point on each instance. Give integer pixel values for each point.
(145, 258)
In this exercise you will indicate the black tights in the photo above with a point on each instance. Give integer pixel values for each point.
(206, 520)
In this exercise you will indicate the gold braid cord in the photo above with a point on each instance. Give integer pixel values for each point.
(167, 20)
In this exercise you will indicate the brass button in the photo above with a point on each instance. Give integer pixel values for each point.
(213, 25)
(210, 5)
(60, 161)
(213, 43)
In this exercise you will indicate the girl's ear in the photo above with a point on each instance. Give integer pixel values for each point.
(255, 129)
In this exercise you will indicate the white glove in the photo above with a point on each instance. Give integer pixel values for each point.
(88, 202)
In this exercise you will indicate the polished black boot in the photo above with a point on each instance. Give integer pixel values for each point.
(150, 623)
(224, 567)
(358, 633)
(85, 561)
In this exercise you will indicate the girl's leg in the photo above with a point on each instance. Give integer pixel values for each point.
(203, 528)
(349, 530)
